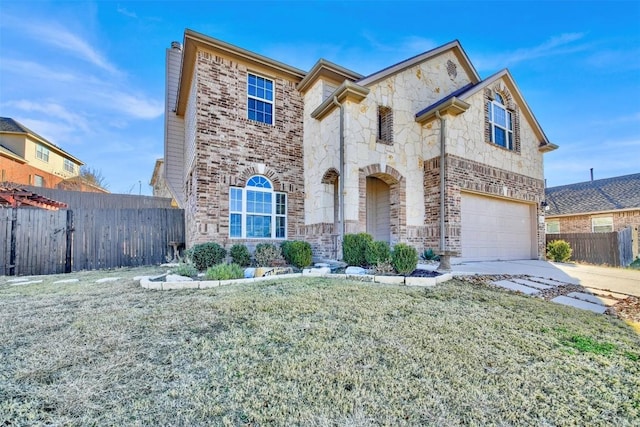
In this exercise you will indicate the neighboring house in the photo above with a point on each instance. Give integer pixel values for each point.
(158, 182)
(257, 150)
(26, 158)
(599, 206)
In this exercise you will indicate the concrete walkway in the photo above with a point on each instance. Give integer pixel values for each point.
(617, 280)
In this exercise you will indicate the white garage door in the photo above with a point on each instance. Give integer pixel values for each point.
(495, 229)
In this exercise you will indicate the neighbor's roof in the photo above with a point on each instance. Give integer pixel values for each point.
(601, 195)
(14, 195)
(9, 125)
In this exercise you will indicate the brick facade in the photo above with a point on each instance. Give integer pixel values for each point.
(231, 148)
(582, 223)
(471, 176)
(21, 173)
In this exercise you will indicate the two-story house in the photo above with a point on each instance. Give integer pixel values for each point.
(29, 159)
(423, 152)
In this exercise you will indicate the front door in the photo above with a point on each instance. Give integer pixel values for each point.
(378, 209)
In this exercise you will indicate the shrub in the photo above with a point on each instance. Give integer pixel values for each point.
(354, 249)
(377, 252)
(559, 251)
(297, 253)
(206, 255)
(225, 272)
(240, 255)
(384, 268)
(404, 258)
(185, 269)
(268, 255)
(429, 255)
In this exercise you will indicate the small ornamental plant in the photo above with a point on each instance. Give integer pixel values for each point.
(240, 255)
(354, 249)
(185, 269)
(268, 255)
(404, 258)
(559, 251)
(297, 253)
(225, 272)
(205, 255)
(378, 252)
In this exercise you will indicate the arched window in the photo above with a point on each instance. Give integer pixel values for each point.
(256, 211)
(500, 123)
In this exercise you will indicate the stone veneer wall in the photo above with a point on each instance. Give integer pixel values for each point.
(231, 148)
(468, 175)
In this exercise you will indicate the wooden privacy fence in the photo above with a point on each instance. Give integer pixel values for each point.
(37, 241)
(614, 249)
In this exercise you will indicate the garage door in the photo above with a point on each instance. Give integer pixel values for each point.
(495, 229)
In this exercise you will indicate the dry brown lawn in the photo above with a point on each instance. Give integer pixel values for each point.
(312, 352)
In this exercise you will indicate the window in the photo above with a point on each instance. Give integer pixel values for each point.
(500, 123)
(385, 125)
(260, 99)
(69, 166)
(42, 153)
(553, 226)
(256, 211)
(603, 224)
(38, 181)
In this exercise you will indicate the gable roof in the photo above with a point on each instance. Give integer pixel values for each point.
(601, 195)
(469, 90)
(9, 125)
(15, 196)
(400, 66)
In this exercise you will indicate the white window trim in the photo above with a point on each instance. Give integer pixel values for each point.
(243, 214)
(552, 221)
(607, 223)
(509, 119)
(273, 102)
(67, 162)
(42, 152)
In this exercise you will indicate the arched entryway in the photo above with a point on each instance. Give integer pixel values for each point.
(378, 209)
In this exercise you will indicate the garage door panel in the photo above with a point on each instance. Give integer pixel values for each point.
(494, 229)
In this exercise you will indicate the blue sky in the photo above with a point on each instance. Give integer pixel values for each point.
(89, 76)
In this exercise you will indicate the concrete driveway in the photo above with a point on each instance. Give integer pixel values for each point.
(617, 280)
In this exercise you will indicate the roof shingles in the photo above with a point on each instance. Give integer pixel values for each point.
(601, 195)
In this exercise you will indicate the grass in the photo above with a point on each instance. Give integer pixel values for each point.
(311, 352)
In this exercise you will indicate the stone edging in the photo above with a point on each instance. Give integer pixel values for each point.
(206, 284)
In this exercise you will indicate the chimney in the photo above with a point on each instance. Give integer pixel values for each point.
(176, 45)
(591, 174)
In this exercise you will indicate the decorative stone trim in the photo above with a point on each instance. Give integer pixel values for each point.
(207, 284)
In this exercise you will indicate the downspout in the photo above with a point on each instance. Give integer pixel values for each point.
(442, 182)
(341, 227)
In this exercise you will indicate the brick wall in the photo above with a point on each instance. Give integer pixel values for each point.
(20, 173)
(230, 149)
(582, 223)
(464, 174)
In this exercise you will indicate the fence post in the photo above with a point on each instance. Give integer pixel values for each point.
(12, 250)
(68, 260)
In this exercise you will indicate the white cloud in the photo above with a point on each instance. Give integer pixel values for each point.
(33, 69)
(125, 12)
(136, 106)
(60, 37)
(556, 45)
(54, 110)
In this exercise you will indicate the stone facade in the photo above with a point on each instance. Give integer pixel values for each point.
(335, 131)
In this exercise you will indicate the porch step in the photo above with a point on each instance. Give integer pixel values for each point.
(607, 302)
(513, 286)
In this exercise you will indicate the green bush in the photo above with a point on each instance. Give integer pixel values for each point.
(206, 255)
(404, 258)
(268, 255)
(429, 255)
(225, 272)
(559, 251)
(354, 248)
(297, 253)
(185, 269)
(240, 255)
(377, 252)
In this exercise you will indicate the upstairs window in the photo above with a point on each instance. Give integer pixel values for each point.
(385, 125)
(260, 99)
(603, 224)
(69, 166)
(500, 123)
(38, 181)
(256, 211)
(42, 153)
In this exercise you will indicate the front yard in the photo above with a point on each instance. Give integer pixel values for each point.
(313, 352)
